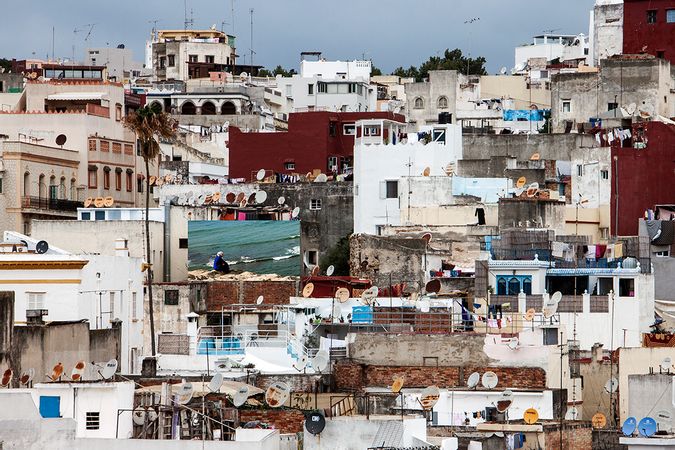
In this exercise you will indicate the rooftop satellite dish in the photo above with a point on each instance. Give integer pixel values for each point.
(531, 192)
(216, 382)
(281, 200)
(260, 196)
(535, 157)
(320, 361)
(138, 416)
(27, 377)
(629, 426)
(505, 401)
(551, 305)
(243, 75)
(307, 290)
(296, 212)
(450, 169)
(260, 175)
(200, 200)
(666, 364)
(57, 372)
(519, 191)
(321, 178)
(429, 397)
(277, 394)
(342, 294)
(152, 415)
(240, 397)
(427, 237)
(502, 70)
(301, 364)
(489, 380)
(572, 413)
(215, 198)
(664, 420)
(159, 181)
(647, 427)
(61, 139)
(168, 178)
(109, 369)
(612, 385)
(240, 197)
(259, 300)
(88, 202)
(433, 286)
(184, 393)
(251, 199)
(599, 420)
(513, 343)
(98, 202)
(330, 270)
(316, 270)
(153, 180)
(530, 416)
(473, 380)
(41, 247)
(529, 315)
(6, 378)
(397, 385)
(108, 202)
(315, 423)
(426, 172)
(78, 371)
(369, 294)
(230, 197)
(521, 182)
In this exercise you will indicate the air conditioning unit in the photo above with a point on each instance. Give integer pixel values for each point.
(34, 313)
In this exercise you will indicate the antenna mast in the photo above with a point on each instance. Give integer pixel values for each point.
(252, 52)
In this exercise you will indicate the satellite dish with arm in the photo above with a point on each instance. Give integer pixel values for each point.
(259, 300)
(321, 178)
(572, 413)
(78, 371)
(433, 286)
(260, 175)
(612, 385)
(109, 369)
(27, 377)
(296, 212)
(108, 202)
(551, 306)
(664, 420)
(251, 198)
(153, 180)
(301, 364)
(281, 200)
(57, 372)
(260, 197)
(342, 294)
(629, 426)
(647, 427)
(427, 237)
(88, 202)
(215, 198)
(315, 423)
(216, 382)
(98, 202)
(184, 393)
(505, 401)
(316, 270)
(530, 416)
(138, 416)
(489, 380)
(598, 420)
(397, 385)
(426, 172)
(521, 182)
(277, 394)
(320, 361)
(307, 290)
(240, 397)
(330, 270)
(41, 247)
(6, 378)
(230, 197)
(429, 397)
(529, 315)
(473, 380)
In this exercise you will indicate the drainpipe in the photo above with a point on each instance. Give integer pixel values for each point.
(167, 240)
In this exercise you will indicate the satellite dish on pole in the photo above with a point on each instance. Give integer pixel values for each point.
(240, 396)
(296, 212)
(320, 361)
(489, 380)
(473, 380)
(184, 393)
(505, 401)
(57, 372)
(6, 378)
(260, 175)
(301, 364)
(315, 423)
(397, 385)
(307, 290)
(629, 426)
(599, 421)
(429, 397)
(530, 416)
(612, 385)
(342, 294)
(109, 369)
(259, 300)
(330, 270)
(647, 427)
(433, 286)
(216, 382)
(664, 420)
(551, 305)
(27, 377)
(78, 371)
(572, 413)
(277, 394)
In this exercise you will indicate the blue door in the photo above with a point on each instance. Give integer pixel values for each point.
(50, 407)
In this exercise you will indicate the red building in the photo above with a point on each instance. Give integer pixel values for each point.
(643, 175)
(649, 27)
(315, 140)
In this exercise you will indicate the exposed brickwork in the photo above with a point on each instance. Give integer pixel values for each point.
(225, 293)
(351, 376)
(284, 420)
(297, 382)
(575, 436)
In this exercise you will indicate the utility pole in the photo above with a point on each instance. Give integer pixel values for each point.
(562, 412)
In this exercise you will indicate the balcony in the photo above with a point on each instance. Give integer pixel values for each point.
(50, 204)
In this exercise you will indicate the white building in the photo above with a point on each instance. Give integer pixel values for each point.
(63, 286)
(119, 61)
(553, 47)
(605, 30)
(384, 155)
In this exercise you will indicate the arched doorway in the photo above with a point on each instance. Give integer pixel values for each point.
(188, 109)
(208, 109)
(228, 108)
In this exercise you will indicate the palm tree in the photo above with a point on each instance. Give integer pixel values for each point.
(149, 123)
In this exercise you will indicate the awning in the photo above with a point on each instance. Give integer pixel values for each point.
(77, 96)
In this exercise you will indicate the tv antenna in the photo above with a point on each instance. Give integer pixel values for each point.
(553, 30)
(188, 22)
(90, 27)
(251, 49)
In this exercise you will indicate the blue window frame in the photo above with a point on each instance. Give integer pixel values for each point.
(50, 406)
(513, 284)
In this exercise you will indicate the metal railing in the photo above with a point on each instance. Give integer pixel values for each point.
(52, 204)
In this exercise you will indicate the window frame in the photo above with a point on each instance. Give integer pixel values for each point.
(418, 103)
(652, 16)
(130, 182)
(35, 300)
(183, 243)
(315, 204)
(567, 102)
(670, 14)
(92, 420)
(389, 191)
(442, 102)
(92, 178)
(349, 126)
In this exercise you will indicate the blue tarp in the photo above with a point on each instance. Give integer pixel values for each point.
(534, 115)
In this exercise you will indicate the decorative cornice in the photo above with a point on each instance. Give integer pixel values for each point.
(43, 265)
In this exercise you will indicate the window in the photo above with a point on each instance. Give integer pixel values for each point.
(419, 103)
(289, 165)
(604, 174)
(105, 146)
(626, 287)
(310, 89)
(162, 62)
(312, 257)
(371, 131)
(171, 297)
(662, 55)
(99, 215)
(172, 60)
(116, 147)
(118, 180)
(182, 243)
(112, 305)
(0, 185)
(139, 185)
(106, 179)
(86, 216)
(93, 178)
(134, 305)
(36, 300)
(580, 170)
(389, 189)
(663, 253)
(322, 88)
(651, 16)
(513, 284)
(129, 182)
(315, 204)
(670, 16)
(210, 59)
(443, 103)
(567, 106)
(92, 145)
(332, 163)
(118, 112)
(192, 58)
(332, 128)
(349, 129)
(50, 406)
(93, 420)
(612, 106)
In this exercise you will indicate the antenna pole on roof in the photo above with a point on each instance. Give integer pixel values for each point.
(252, 52)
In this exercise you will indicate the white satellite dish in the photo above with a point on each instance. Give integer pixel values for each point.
(301, 364)
(138, 416)
(109, 369)
(330, 270)
(513, 343)
(505, 401)
(664, 420)
(370, 294)
(320, 361)
(572, 413)
(503, 71)
(321, 178)
(473, 380)
(216, 382)
(666, 364)
(296, 212)
(429, 397)
(260, 196)
(277, 394)
(240, 397)
(184, 393)
(260, 175)
(200, 200)
(424, 305)
(551, 305)
(489, 380)
(259, 300)
(612, 385)
(281, 200)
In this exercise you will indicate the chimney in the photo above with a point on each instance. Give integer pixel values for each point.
(597, 352)
(121, 247)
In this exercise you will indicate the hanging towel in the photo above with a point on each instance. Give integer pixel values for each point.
(600, 251)
(609, 253)
(590, 255)
(618, 250)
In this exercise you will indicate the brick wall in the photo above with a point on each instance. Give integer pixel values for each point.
(297, 382)
(575, 436)
(351, 376)
(225, 293)
(284, 420)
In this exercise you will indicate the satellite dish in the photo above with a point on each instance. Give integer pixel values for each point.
(61, 139)
(519, 191)
(260, 196)
(489, 380)
(572, 413)
(301, 364)
(240, 396)
(215, 198)
(529, 315)
(27, 377)
(369, 294)
(429, 397)
(530, 416)
(612, 385)
(599, 420)
(513, 343)
(397, 385)
(168, 178)
(426, 172)
(259, 300)
(243, 203)
(159, 181)
(185, 393)
(6, 378)
(109, 369)
(433, 286)
(473, 380)
(108, 202)
(260, 175)
(342, 294)
(503, 72)
(647, 427)
(307, 290)
(251, 198)
(321, 178)
(316, 270)
(330, 270)
(98, 202)
(41, 247)
(315, 423)
(629, 426)
(240, 197)
(505, 401)
(78, 371)
(138, 416)
(296, 212)
(320, 361)
(521, 182)
(427, 237)
(664, 420)
(230, 197)
(57, 372)
(153, 179)
(666, 364)
(551, 306)
(281, 200)
(535, 157)
(277, 394)
(88, 202)
(216, 382)
(450, 169)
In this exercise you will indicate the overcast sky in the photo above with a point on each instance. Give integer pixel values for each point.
(390, 32)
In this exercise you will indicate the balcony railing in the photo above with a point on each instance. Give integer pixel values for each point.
(51, 204)
(97, 110)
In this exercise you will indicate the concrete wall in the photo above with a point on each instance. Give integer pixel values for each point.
(516, 213)
(168, 318)
(606, 30)
(442, 83)
(664, 282)
(357, 432)
(514, 88)
(557, 147)
(651, 394)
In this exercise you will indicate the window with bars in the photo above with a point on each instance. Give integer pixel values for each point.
(105, 146)
(117, 147)
(315, 204)
(92, 145)
(134, 305)
(93, 420)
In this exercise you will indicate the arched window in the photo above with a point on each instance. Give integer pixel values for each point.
(26, 184)
(42, 187)
(501, 286)
(52, 188)
(208, 109)
(514, 286)
(228, 108)
(527, 286)
(73, 189)
(188, 108)
(62, 188)
(419, 103)
(443, 102)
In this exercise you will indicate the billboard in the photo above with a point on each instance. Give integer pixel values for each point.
(257, 246)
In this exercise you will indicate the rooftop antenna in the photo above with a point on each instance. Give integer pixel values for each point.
(154, 28)
(232, 15)
(252, 52)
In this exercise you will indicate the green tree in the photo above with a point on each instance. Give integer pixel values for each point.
(6, 64)
(338, 257)
(375, 72)
(451, 60)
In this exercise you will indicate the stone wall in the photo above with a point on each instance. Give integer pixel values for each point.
(225, 293)
(575, 436)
